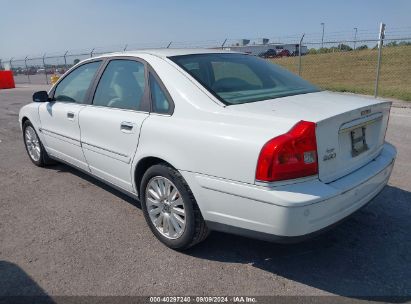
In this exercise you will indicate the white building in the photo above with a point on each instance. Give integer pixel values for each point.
(262, 45)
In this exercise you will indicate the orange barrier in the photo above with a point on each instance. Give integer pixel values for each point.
(6, 80)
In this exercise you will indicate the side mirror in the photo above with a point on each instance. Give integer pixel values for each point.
(41, 96)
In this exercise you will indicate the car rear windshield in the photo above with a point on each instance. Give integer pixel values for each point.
(241, 78)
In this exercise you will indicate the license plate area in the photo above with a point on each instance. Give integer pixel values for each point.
(358, 141)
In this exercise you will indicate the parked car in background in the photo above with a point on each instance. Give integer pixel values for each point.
(283, 53)
(30, 71)
(214, 140)
(50, 70)
(273, 53)
(270, 53)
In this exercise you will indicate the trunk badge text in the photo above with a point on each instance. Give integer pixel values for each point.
(365, 112)
(330, 154)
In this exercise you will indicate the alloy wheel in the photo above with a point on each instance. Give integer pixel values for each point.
(32, 143)
(165, 207)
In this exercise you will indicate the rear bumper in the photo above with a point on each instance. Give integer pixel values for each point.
(292, 211)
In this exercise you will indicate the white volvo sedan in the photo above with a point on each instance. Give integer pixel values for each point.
(214, 140)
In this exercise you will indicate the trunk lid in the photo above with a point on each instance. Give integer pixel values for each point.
(350, 129)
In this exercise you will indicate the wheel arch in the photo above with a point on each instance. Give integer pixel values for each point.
(143, 165)
(23, 120)
(30, 112)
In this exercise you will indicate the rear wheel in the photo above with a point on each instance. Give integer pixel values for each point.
(34, 147)
(170, 208)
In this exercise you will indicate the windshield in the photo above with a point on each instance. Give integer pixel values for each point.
(240, 78)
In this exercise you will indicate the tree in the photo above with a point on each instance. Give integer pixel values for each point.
(323, 50)
(344, 47)
(362, 47)
(392, 43)
(76, 61)
(312, 51)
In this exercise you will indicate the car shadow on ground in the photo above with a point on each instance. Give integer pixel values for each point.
(59, 167)
(16, 286)
(368, 255)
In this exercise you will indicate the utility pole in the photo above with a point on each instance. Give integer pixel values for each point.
(322, 37)
(299, 55)
(27, 69)
(380, 44)
(355, 37)
(45, 68)
(65, 61)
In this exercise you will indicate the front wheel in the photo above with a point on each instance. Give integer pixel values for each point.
(34, 147)
(170, 209)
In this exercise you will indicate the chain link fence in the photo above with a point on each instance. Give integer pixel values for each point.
(342, 65)
(351, 66)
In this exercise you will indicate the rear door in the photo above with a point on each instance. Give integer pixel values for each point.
(110, 126)
(59, 118)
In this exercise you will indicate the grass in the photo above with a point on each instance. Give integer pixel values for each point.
(355, 71)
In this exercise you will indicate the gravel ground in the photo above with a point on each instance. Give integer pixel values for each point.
(65, 233)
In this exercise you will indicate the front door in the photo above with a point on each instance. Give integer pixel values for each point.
(110, 126)
(60, 118)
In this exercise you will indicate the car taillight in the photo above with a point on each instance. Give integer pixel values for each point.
(290, 155)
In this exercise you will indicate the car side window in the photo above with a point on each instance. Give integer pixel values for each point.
(122, 85)
(159, 99)
(74, 86)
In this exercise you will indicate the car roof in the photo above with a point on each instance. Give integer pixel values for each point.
(168, 52)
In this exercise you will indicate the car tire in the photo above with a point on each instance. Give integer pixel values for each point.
(34, 146)
(162, 191)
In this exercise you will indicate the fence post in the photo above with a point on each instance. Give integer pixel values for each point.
(299, 55)
(222, 46)
(355, 37)
(380, 44)
(11, 67)
(45, 68)
(65, 61)
(1, 67)
(27, 69)
(91, 53)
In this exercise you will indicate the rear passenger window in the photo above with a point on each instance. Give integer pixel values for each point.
(121, 85)
(161, 104)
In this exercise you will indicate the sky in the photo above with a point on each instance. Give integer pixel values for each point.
(29, 28)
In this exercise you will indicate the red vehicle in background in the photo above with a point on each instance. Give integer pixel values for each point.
(272, 53)
(283, 53)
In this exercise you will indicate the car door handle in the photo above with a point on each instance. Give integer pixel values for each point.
(126, 126)
(70, 115)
